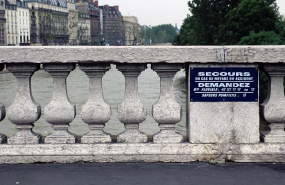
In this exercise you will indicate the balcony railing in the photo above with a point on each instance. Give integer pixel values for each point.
(234, 140)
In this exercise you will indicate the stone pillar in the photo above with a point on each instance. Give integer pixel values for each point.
(218, 121)
(60, 112)
(167, 112)
(131, 111)
(273, 109)
(24, 111)
(96, 112)
(2, 113)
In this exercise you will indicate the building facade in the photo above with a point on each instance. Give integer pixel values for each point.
(72, 22)
(49, 22)
(23, 19)
(11, 23)
(113, 28)
(91, 8)
(132, 30)
(2, 23)
(83, 32)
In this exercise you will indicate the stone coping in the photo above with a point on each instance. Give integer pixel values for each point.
(142, 54)
(147, 152)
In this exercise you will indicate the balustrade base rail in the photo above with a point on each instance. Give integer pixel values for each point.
(143, 152)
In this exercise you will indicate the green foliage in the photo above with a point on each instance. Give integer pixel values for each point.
(83, 35)
(261, 38)
(163, 33)
(52, 25)
(226, 22)
(206, 17)
(249, 15)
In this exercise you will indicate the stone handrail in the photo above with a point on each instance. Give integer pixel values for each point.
(162, 54)
(27, 146)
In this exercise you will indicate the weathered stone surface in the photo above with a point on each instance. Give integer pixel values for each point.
(150, 54)
(132, 135)
(25, 135)
(61, 135)
(167, 112)
(24, 111)
(131, 111)
(3, 138)
(254, 54)
(74, 54)
(222, 122)
(2, 107)
(143, 152)
(2, 112)
(96, 135)
(167, 134)
(273, 109)
(60, 112)
(96, 112)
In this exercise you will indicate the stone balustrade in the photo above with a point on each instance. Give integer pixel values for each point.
(216, 131)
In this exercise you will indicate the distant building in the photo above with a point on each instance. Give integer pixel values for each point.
(132, 30)
(23, 20)
(176, 29)
(83, 32)
(113, 28)
(2, 23)
(11, 22)
(91, 8)
(72, 22)
(49, 22)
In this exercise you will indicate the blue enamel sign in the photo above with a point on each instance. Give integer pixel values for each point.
(223, 84)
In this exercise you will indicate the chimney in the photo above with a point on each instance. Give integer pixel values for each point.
(107, 7)
(117, 8)
(97, 3)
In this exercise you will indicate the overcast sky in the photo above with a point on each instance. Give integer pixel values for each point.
(155, 12)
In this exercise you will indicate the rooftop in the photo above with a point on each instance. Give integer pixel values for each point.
(60, 3)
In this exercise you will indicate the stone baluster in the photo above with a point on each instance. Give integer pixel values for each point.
(167, 112)
(96, 112)
(2, 113)
(273, 109)
(24, 111)
(131, 111)
(60, 112)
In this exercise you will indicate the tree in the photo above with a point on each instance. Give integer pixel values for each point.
(206, 17)
(248, 16)
(261, 38)
(52, 28)
(163, 33)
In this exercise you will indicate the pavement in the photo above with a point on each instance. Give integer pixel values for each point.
(143, 173)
